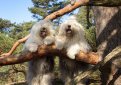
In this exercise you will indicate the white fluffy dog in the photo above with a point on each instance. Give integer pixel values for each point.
(71, 37)
(40, 70)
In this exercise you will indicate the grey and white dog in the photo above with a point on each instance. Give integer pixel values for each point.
(40, 71)
(71, 37)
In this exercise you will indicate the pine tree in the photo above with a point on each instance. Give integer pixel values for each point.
(42, 8)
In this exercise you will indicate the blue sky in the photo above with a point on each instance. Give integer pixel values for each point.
(16, 10)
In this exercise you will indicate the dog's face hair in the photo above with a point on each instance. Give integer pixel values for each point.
(41, 29)
(71, 29)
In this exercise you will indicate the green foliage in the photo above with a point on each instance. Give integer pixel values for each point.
(86, 18)
(82, 16)
(21, 30)
(7, 43)
(7, 73)
(13, 73)
(27, 25)
(42, 8)
(17, 32)
(91, 37)
(4, 24)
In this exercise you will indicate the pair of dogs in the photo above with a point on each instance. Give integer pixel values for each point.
(70, 37)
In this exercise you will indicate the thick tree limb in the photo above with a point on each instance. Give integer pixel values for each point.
(67, 9)
(15, 59)
(91, 57)
(116, 52)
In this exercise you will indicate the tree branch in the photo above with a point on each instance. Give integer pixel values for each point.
(15, 59)
(116, 52)
(90, 57)
(67, 9)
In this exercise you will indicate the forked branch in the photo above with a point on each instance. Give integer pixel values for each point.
(116, 52)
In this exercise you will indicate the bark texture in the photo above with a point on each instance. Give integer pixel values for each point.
(108, 31)
(90, 57)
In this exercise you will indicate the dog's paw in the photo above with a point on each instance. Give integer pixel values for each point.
(33, 48)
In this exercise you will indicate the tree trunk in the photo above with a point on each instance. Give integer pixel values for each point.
(108, 34)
